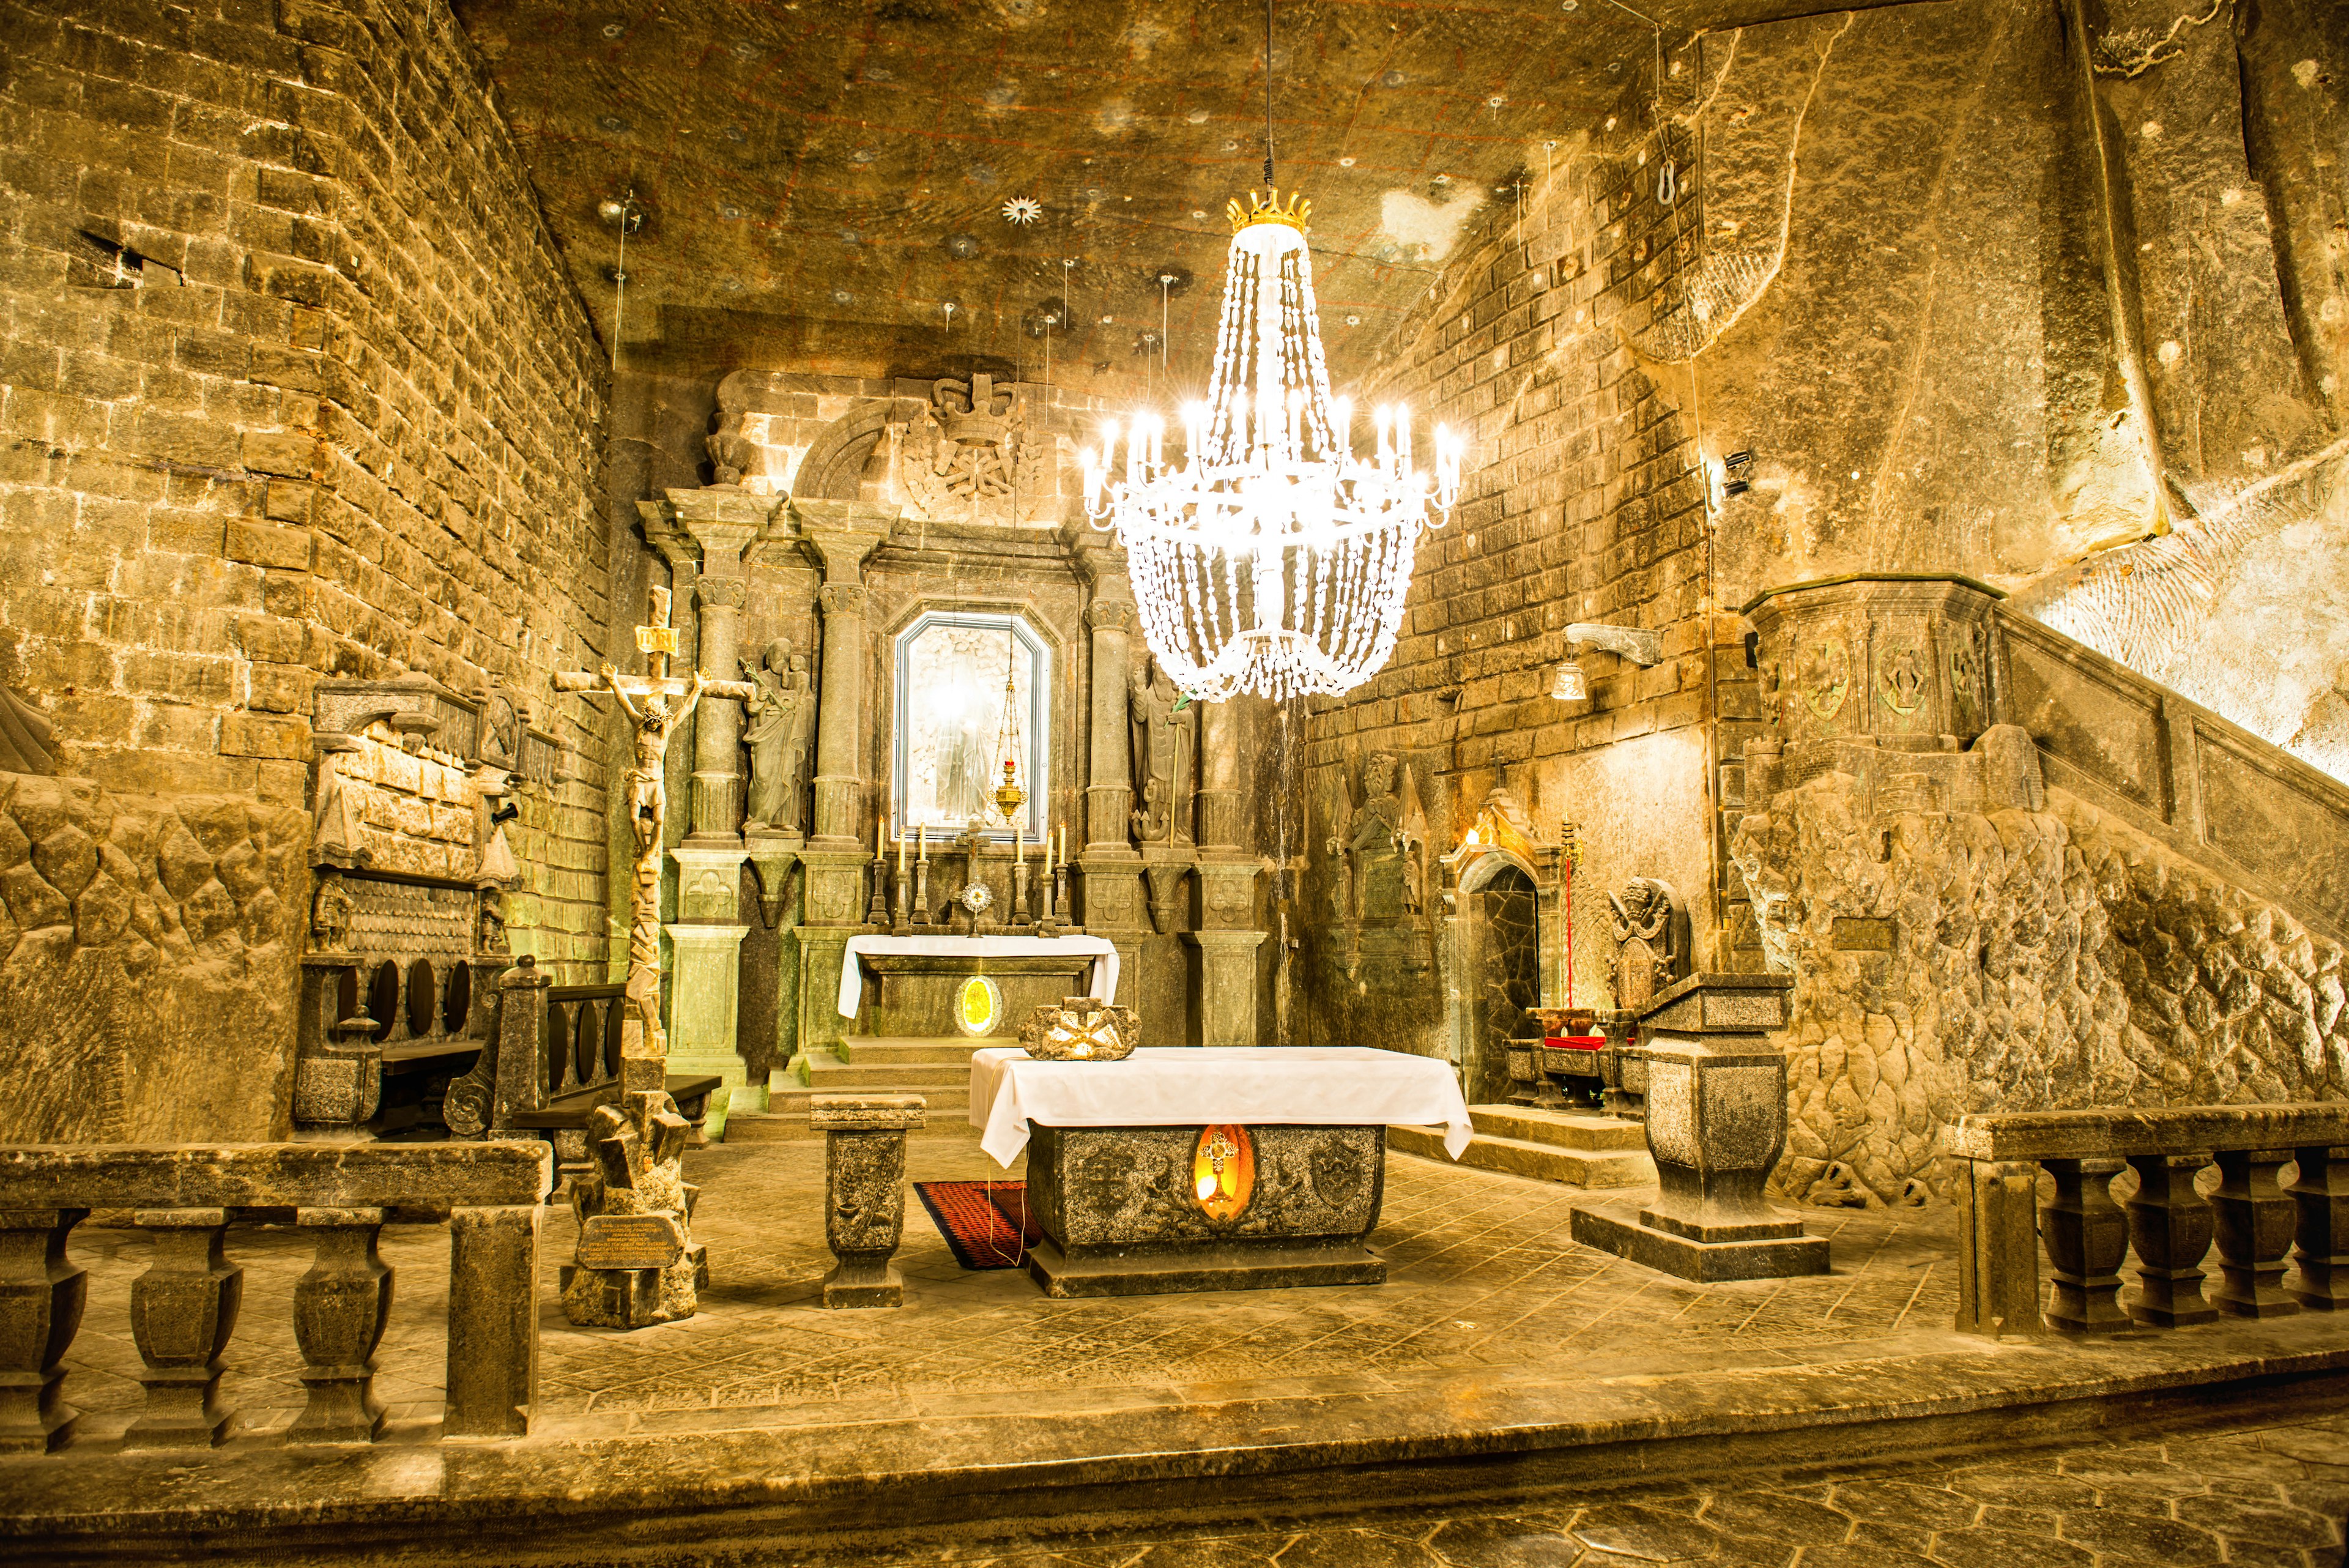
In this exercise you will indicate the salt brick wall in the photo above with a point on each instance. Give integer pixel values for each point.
(1581, 501)
(293, 385)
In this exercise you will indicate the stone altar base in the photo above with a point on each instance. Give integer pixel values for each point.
(1763, 1249)
(1117, 1209)
(916, 994)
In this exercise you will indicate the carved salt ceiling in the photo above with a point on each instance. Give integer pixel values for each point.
(821, 175)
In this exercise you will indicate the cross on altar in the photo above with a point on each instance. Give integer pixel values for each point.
(657, 704)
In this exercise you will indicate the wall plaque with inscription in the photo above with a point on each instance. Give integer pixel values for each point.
(631, 1242)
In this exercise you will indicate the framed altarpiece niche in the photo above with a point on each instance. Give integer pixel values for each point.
(973, 688)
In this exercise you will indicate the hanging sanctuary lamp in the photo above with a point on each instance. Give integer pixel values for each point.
(1008, 796)
(1273, 557)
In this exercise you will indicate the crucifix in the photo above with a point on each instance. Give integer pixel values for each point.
(657, 704)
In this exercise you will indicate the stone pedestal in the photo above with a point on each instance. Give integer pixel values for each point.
(1716, 1125)
(705, 987)
(1227, 940)
(864, 1192)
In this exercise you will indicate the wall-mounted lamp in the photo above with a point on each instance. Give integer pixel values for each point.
(1571, 683)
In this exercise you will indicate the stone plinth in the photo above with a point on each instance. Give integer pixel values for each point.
(864, 1192)
(705, 1003)
(1716, 1125)
(1118, 1219)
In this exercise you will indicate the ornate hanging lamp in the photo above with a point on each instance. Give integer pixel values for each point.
(1009, 795)
(1272, 559)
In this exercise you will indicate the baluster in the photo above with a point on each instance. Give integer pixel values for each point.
(2087, 1237)
(2254, 1227)
(2169, 1228)
(182, 1310)
(41, 1296)
(558, 1047)
(2322, 1193)
(584, 1043)
(339, 1310)
(493, 1321)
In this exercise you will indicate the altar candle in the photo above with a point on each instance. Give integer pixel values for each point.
(901, 855)
(1048, 852)
(1064, 843)
(1018, 851)
(922, 843)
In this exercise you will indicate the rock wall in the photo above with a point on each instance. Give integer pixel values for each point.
(147, 964)
(1950, 962)
(294, 386)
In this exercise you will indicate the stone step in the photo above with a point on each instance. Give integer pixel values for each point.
(1583, 1130)
(877, 1051)
(1542, 1161)
(883, 1078)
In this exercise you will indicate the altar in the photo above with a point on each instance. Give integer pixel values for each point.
(944, 985)
(1186, 1170)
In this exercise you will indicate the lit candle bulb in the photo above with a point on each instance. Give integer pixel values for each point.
(1384, 420)
(1402, 434)
(1195, 433)
(1341, 416)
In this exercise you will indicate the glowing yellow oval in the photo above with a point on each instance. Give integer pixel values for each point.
(977, 1005)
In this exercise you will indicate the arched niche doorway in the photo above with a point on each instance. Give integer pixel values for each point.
(1503, 976)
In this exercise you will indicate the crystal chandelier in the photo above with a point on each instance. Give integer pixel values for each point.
(1272, 558)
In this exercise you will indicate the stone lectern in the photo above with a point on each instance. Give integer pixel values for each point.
(864, 1192)
(1716, 1125)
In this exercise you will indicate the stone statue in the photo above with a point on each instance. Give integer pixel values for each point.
(330, 915)
(781, 717)
(1164, 732)
(489, 936)
(1377, 843)
(1652, 932)
(1339, 846)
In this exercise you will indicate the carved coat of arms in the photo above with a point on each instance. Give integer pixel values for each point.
(970, 457)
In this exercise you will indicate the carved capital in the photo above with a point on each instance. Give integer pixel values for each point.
(728, 593)
(841, 598)
(1109, 615)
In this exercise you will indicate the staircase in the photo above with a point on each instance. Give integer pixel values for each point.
(938, 1069)
(1574, 1147)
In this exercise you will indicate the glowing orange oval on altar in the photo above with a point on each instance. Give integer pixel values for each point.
(1222, 1172)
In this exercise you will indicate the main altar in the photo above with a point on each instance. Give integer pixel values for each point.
(899, 575)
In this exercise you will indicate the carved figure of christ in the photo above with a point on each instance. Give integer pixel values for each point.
(649, 701)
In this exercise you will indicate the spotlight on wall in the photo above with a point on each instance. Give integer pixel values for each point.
(622, 213)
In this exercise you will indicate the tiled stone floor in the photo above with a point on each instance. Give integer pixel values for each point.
(2268, 1495)
(1481, 1276)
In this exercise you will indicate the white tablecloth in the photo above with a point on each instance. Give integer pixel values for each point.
(1307, 1086)
(1104, 957)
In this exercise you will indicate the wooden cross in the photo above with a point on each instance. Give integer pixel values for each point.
(652, 702)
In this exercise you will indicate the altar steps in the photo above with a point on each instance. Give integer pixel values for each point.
(937, 1069)
(1574, 1148)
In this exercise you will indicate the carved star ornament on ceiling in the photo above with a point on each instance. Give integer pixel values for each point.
(1022, 210)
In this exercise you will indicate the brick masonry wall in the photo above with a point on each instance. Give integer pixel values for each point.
(1581, 501)
(292, 384)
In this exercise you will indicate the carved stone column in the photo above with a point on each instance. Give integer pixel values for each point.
(839, 780)
(1227, 940)
(182, 1310)
(1219, 777)
(718, 721)
(1109, 780)
(42, 1291)
(340, 1307)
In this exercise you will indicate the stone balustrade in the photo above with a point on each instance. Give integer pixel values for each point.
(2252, 1215)
(183, 1309)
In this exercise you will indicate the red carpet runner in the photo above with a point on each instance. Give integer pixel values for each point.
(984, 1234)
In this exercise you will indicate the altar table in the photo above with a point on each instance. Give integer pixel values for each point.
(852, 974)
(1195, 1170)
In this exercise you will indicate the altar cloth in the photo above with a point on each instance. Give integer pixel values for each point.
(1104, 957)
(1302, 1086)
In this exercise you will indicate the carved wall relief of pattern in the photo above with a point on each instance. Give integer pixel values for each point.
(1135, 1186)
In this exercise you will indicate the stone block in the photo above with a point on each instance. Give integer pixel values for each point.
(263, 544)
(258, 735)
(864, 1192)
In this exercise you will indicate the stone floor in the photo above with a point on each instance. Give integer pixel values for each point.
(2245, 1493)
(1481, 1276)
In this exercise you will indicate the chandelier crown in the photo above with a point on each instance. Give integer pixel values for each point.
(1269, 211)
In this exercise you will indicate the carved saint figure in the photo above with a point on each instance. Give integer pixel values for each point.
(1652, 941)
(330, 915)
(781, 717)
(1163, 732)
(490, 935)
(1377, 843)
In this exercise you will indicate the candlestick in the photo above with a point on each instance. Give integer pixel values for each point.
(922, 838)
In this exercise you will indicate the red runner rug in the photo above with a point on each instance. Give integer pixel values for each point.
(986, 1223)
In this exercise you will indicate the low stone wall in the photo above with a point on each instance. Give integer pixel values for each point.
(1955, 963)
(147, 964)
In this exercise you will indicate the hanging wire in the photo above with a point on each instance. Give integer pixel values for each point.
(1267, 96)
